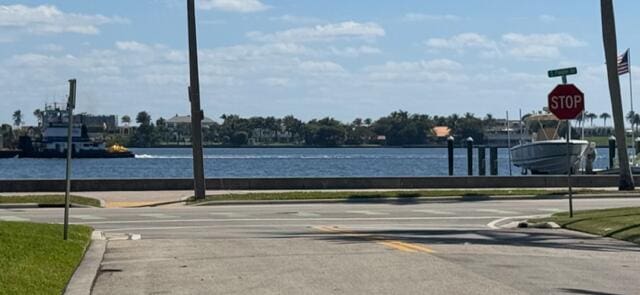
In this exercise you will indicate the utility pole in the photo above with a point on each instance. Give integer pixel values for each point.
(611, 55)
(71, 104)
(196, 112)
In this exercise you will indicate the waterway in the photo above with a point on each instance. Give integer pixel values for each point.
(264, 162)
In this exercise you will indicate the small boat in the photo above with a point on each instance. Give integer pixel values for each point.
(548, 156)
(546, 153)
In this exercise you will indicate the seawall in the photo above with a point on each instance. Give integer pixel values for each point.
(440, 182)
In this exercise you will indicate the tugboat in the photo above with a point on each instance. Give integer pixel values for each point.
(53, 143)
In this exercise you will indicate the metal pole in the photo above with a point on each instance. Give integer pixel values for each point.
(633, 135)
(509, 145)
(470, 156)
(70, 106)
(493, 160)
(612, 150)
(569, 168)
(196, 112)
(610, 48)
(450, 154)
(482, 161)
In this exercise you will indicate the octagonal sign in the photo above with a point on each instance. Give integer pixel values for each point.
(566, 101)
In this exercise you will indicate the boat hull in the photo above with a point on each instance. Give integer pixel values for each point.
(549, 156)
(5, 154)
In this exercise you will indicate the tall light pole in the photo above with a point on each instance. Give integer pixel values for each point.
(611, 55)
(196, 112)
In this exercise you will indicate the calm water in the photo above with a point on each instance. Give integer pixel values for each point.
(269, 162)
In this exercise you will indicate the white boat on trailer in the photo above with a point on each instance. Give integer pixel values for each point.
(548, 156)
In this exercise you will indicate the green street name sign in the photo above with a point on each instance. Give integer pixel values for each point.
(562, 72)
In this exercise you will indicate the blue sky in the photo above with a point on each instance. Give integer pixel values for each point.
(312, 59)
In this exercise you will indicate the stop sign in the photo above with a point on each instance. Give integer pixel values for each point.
(566, 101)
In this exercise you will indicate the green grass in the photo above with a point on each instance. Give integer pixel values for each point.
(619, 223)
(48, 200)
(407, 195)
(35, 260)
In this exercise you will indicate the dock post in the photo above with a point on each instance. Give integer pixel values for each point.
(450, 154)
(493, 160)
(469, 156)
(612, 150)
(482, 161)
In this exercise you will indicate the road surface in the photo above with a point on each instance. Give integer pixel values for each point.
(353, 248)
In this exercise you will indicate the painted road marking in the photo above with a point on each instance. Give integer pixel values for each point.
(366, 212)
(554, 210)
(87, 217)
(390, 243)
(157, 215)
(298, 219)
(13, 218)
(435, 212)
(496, 211)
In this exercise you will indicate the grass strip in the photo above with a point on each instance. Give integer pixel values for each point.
(48, 200)
(402, 195)
(35, 260)
(619, 223)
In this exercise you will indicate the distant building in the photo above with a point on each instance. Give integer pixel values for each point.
(441, 131)
(184, 122)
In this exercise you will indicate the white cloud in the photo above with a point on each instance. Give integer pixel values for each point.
(418, 17)
(525, 46)
(545, 18)
(354, 51)
(461, 41)
(431, 70)
(48, 19)
(539, 46)
(51, 47)
(243, 6)
(132, 46)
(288, 18)
(323, 33)
(485, 47)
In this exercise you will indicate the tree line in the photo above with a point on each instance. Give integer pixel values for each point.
(399, 128)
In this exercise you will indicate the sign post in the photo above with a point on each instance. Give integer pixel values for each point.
(71, 104)
(566, 102)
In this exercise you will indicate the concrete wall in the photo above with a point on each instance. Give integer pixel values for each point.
(312, 183)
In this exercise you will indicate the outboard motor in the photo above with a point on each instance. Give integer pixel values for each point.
(590, 157)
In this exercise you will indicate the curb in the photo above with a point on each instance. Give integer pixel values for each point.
(85, 275)
(417, 200)
(37, 205)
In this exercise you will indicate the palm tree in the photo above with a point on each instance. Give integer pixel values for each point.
(38, 114)
(17, 118)
(591, 117)
(604, 117)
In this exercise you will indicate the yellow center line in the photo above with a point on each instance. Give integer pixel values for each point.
(395, 244)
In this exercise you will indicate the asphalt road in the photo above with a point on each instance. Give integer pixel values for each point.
(353, 248)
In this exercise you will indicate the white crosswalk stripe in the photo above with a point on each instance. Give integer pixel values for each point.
(496, 211)
(157, 215)
(553, 210)
(13, 218)
(366, 212)
(435, 212)
(307, 214)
